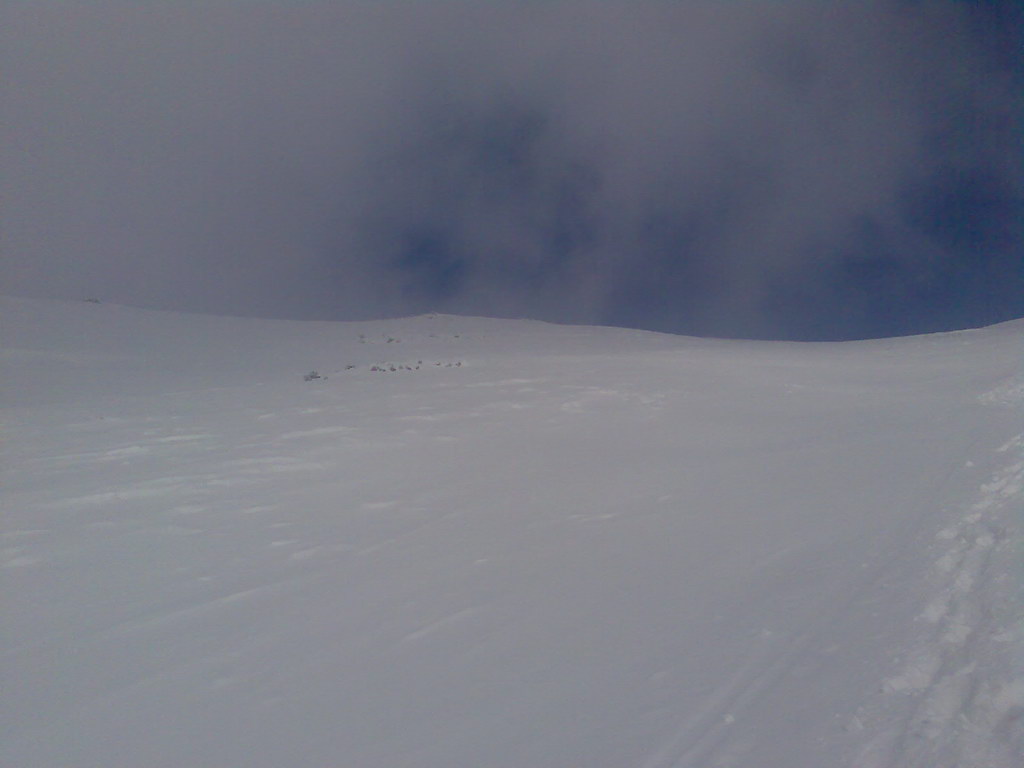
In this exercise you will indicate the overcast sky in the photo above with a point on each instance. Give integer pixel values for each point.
(763, 169)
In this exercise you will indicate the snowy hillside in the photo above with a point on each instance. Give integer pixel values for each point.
(527, 545)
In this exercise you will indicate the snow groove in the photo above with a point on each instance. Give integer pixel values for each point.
(696, 740)
(959, 719)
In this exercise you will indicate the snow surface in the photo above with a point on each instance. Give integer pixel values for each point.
(528, 545)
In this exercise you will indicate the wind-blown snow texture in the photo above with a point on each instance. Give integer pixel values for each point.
(527, 545)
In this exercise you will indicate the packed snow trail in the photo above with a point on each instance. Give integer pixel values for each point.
(525, 545)
(963, 676)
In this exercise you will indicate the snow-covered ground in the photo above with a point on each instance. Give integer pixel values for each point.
(529, 545)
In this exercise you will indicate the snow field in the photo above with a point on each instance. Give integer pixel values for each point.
(582, 546)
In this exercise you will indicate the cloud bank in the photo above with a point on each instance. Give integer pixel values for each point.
(791, 170)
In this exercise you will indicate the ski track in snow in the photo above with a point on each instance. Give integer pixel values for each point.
(955, 717)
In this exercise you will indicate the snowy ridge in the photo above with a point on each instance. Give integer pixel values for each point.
(582, 546)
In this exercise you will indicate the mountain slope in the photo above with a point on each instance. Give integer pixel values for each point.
(526, 545)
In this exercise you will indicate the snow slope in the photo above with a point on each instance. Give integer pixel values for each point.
(528, 545)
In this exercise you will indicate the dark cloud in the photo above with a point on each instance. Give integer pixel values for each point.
(799, 169)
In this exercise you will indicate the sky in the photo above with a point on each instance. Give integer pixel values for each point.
(789, 170)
